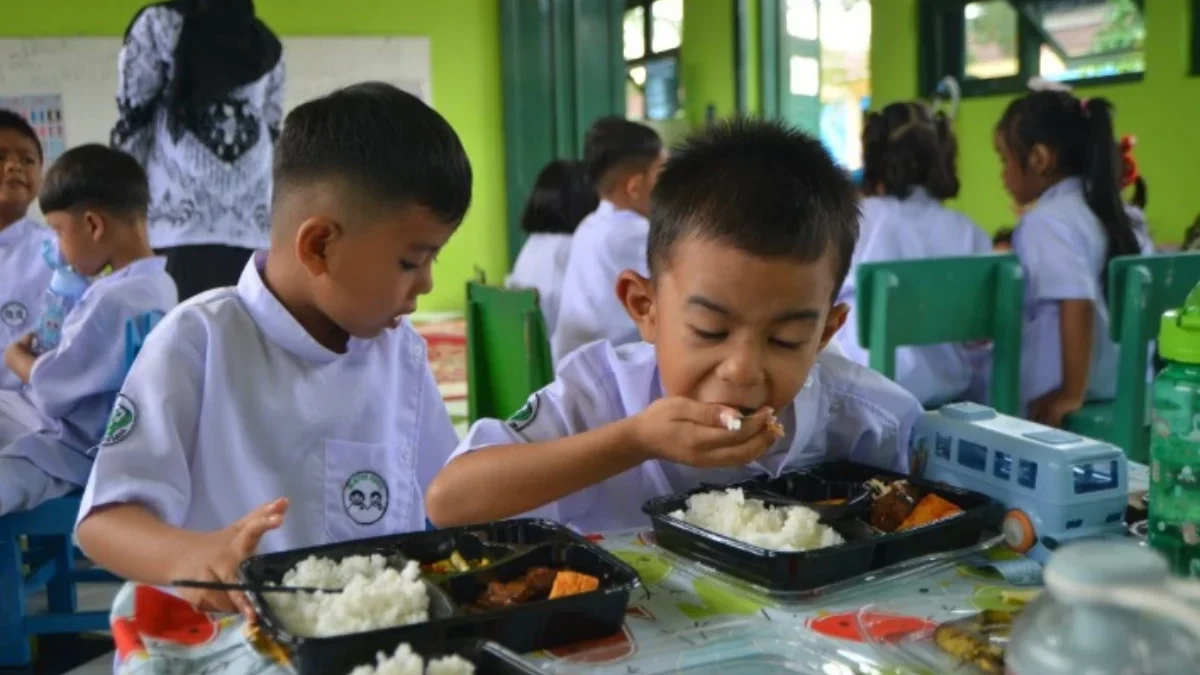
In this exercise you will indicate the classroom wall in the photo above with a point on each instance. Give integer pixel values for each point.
(1159, 110)
(465, 46)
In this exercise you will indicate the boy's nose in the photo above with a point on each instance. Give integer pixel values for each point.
(742, 367)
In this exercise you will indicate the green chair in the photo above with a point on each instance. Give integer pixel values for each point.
(508, 351)
(922, 302)
(1140, 289)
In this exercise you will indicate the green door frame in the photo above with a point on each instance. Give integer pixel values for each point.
(554, 86)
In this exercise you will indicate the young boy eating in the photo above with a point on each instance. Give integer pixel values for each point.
(302, 390)
(23, 273)
(95, 199)
(751, 233)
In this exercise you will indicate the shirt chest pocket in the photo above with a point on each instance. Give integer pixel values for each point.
(369, 490)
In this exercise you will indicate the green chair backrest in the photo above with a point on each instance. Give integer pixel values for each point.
(1140, 289)
(508, 350)
(934, 300)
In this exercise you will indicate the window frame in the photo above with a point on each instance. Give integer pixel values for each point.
(648, 53)
(942, 50)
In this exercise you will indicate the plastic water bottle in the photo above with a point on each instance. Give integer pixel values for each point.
(1174, 518)
(65, 289)
(1110, 608)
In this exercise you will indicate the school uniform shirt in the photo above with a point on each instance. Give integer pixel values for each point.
(1062, 248)
(24, 276)
(607, 242)
(73, 387)
(541, 265)
(915, 228)
(232, 404)
(212, 184)
(844, 411)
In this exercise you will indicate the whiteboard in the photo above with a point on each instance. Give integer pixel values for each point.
(84, 72)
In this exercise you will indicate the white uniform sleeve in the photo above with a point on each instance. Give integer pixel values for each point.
(89, 360)
(1055, 264)
(583, 396)
(872, 419)
(142, 68)
(146, 453)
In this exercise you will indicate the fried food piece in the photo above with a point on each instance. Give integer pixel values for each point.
(969, 649)
(775, 428)
(930, 509)
(573, 583)
(531, 586)
(893, 506)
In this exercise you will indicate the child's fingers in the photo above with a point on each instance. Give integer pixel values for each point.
(245, 542)
(276, 507)
(741, 453)
(242, 605)
(712, 415)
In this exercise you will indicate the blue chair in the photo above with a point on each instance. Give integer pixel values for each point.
(47, 560)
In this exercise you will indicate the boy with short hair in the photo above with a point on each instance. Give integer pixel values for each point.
(23, 273)
(302, 389)
(95, 199)
(751, 235)
(622, 159)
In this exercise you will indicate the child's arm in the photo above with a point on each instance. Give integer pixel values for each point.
(88, 360)
(1076, 324)
(19, 357)
(571, 437)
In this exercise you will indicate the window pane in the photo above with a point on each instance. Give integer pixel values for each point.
(845, 37)
(1003, 466)
(1095, 476)
(972, 455)
(1027, 473)
(667, 32)
(801, 19)
(1092, 39)
(804, 76)
(634, 38)
(991, 32)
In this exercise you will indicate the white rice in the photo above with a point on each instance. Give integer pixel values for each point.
(784, 528)
(407, 662)
(374, 596)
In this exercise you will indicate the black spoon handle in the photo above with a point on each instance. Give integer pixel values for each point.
(224, 586)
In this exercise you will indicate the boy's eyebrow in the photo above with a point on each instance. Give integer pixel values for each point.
(789, 315)
(426, 248)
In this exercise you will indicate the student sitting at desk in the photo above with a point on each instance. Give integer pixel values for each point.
(751, 233)
(303, 389)
(95, 198)
(909, 169)
(23, 272)
(622, 160)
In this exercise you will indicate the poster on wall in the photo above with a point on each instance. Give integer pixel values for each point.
(45, 114)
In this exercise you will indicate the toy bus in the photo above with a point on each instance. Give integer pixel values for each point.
(1055, 486)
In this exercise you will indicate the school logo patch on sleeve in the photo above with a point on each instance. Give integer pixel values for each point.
(526, 415)
(14, 314)
(365, 497)
(121, 422)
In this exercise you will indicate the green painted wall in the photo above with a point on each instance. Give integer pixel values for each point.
(708, 59)
(1159, 110)
(465, 55)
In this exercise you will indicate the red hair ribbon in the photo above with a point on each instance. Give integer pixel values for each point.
(1129, 167)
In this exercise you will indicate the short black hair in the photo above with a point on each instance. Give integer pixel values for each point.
(12, 120)
(905, 146)
(760, 186)
(382, 140)
(561, 198)
(614, 142)
(1003, 235)
(94, 176)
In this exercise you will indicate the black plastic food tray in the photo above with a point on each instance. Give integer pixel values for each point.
(865, 549)
(525, 628)
(488, 658)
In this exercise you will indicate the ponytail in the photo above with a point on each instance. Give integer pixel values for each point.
(1101, 180)
(943, 181)
(905, 146)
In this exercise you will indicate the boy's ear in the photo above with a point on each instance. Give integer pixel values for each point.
(95, 224)
(636, 293)
(314, 237)
(834, 322)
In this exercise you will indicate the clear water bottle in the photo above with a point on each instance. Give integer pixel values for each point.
(1110, 608)
(1174, 514)
(65, 289)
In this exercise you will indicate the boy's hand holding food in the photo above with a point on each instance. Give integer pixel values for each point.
(704, 435)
